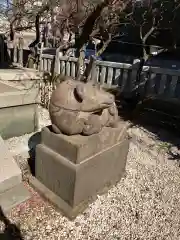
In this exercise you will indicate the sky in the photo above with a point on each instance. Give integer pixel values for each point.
(2, 1)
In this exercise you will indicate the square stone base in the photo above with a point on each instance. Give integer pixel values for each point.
(66, 209)
(70, 183)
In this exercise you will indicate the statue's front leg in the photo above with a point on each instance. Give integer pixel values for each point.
(55, 129)
(92, 125)
(113, 116)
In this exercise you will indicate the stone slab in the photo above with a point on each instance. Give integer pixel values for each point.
(6, 88)
(13, 197)
(10, 173)
(18, 120)
(18, 111)
(14, 96)
(77, 148)
(76, 183)
(19, 74)
(12, 190)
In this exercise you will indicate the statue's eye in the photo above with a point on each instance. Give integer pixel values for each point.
(77, 97)
(99, 113)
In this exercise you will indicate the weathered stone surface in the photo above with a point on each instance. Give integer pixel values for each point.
(10, 174)
(14, 96)
(18, 111)
(19, 74)
(25, 78)
(70, 182)
(78, 148)
(19, 120)
(65, 208)
(81, 108)
(6, 88)
(10, 179)
(13, 197)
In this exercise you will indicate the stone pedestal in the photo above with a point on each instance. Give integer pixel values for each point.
(12, 190)
(69, 170)
(18, 111)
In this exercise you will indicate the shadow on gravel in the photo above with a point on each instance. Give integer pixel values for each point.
(34, 140)
(162, 118)
(11, 231)
(159, 116)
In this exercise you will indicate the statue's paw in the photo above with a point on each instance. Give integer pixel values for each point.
(113, 110)
(55, 129)
(114, 124)
(91, 129)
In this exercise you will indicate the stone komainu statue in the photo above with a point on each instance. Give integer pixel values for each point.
(81, 108)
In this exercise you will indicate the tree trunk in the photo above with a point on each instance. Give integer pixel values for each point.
(81, 63)
(84, 37)
(11, 32)
(33, 55)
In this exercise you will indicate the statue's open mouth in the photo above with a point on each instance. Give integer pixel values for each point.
(105, 105)
(98, 112)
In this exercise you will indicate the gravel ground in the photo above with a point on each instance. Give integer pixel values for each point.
(145, 204)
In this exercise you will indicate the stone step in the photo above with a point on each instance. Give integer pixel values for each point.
(22, 145)
(19, 74)
(14, 196)
(12, 190)
(10, 174)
